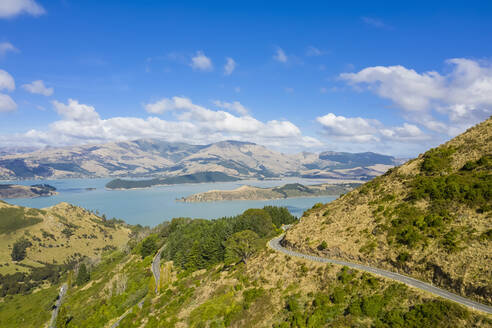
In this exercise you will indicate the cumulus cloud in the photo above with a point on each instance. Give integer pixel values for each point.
(38, 87)
(6, 81)
(201, 62)
(7, 104)
(364, 130)
(230, 66)
(351, 129)
(280, 56)
(80, 123)
(11, 8)
(7, 47)
(234, 106)
(463, 96)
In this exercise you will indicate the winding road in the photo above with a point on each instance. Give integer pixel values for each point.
(155, 267)
(58, 303)
(275, 244)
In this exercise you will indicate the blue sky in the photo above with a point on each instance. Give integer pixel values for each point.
(392, 77)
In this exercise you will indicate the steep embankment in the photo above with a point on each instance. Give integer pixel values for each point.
(53, 235)
(429, 218)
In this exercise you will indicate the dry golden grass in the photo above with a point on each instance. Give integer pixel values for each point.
(347, 224)
(89, 237)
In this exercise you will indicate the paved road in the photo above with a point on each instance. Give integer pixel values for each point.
(155, 267)
(275, 244)
(58, 303)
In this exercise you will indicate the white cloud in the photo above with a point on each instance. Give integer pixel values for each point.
(235, 106)
(364, 130)
(160, 106)
(355, 129)
(76, 112)
(463, 96)
(374, 22)
(406, 132)
(80, 123)
(313, 52)
(7, 47)
(280, 56)
(201, 62)
(230, 66)
(11, 8)
(7, 104)
(6, 81)
(38, 87)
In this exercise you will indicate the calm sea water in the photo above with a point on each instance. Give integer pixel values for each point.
(155, 205)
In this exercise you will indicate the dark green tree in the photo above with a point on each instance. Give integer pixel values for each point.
(241, 246)
(19, 250)
(149, 246)
(83, 276)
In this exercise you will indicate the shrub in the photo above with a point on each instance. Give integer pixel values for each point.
(338, 295)
(322, 246)
(19, 249)
(372, 305)
(437, 160)
(83, 275)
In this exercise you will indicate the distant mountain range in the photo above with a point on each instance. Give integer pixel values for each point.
(157, 158)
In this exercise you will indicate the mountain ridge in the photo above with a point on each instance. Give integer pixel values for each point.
(158, 158)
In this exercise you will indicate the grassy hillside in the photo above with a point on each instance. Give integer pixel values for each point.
(54, 235)
(204, 283)
(429, 218)
(201, 287)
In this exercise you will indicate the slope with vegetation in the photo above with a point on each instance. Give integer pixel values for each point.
(38, 246)
(429, 218)
(219, 273)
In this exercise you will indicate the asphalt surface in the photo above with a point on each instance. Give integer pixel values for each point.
(275, 244)
(155, 268)
(58, 304)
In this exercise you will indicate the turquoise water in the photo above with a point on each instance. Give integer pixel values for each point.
(154, 205)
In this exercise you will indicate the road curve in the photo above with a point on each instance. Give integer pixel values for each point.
(58, 303)
(156, 268)
(275, 244)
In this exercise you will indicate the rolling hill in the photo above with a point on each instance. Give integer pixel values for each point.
(54, 235)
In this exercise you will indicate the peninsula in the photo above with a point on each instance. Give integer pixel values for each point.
(9, 191)
(256, 193)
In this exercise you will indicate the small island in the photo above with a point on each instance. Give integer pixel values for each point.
(256, 193)
(9, 191)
